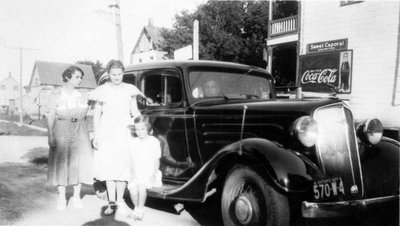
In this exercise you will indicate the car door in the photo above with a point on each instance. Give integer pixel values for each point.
(168, 113)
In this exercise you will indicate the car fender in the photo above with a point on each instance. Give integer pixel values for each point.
(287, 170)
(380, 167)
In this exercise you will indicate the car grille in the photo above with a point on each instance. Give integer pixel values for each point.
(337, 149)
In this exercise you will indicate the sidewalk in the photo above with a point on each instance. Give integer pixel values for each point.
(12, 148)
(26, 198)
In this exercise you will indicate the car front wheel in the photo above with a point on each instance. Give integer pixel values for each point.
(247, 199)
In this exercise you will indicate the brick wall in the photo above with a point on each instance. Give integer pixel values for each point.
(372, 30)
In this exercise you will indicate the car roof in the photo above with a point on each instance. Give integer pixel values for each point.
(192, 63)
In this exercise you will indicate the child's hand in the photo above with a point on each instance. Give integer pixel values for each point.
(153, 179)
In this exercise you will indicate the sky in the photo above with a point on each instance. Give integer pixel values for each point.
(67, 31)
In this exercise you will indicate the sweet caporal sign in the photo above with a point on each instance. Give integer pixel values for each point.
(332, 45)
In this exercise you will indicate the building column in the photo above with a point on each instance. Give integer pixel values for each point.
(269, 57)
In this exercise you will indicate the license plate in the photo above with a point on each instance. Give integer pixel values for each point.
(328, 188)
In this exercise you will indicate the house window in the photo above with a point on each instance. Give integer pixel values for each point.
(3, 87)
(15, 88)
(344, 3)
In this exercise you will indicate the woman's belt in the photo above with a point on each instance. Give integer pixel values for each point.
(72, 119)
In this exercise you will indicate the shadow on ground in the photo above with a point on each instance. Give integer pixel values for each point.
(37, 156)
(105, 220)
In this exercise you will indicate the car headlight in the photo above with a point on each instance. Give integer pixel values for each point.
(305, 129)
(370, 131)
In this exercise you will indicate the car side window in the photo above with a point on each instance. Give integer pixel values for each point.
(163, 87)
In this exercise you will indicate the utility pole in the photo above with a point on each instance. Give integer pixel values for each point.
(196, 40)
(20, 79)
(115, 19)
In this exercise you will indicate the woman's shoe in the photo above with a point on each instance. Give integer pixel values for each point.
(122, 208)
(110, 209)
(138, 214)
(61, 204)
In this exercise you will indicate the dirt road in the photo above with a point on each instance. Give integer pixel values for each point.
(26, 198)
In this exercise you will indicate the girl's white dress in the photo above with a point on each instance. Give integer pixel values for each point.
(143, 154)
(111, 160)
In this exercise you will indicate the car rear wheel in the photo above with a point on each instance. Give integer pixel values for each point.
(247, 199)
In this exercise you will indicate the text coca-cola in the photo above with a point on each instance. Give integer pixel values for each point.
(319, 76)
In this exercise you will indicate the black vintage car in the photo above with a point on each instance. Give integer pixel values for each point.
(270, 161)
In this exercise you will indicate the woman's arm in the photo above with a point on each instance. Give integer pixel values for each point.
(50, 117)
(134, 108)
(96, 123)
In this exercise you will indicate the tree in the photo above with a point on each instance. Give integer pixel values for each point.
(229, 31)
(97, 68)
(282, 9)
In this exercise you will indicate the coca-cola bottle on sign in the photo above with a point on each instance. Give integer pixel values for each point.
(344, 73)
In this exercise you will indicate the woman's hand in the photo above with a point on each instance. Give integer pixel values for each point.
(149, 100)
(95, 142)
(52, 143)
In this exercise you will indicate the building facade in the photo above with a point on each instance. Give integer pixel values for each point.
(147, 47)
(9, 91)
(350, 48)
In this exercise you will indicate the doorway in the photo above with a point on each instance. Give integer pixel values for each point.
(284, 58)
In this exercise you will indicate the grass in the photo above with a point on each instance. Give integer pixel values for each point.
(11, 129)
(26, 120)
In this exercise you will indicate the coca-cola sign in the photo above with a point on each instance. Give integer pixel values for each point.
(319, 76)
(326, 72)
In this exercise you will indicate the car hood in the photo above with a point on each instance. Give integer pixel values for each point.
(295, 106)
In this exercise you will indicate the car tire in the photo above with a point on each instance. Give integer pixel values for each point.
(207, 213)
(247, 199)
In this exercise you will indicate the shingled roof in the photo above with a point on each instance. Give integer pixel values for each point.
(50, 73)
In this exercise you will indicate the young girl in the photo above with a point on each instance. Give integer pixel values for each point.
(145, 156)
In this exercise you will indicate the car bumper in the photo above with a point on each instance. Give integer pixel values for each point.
(343, 208)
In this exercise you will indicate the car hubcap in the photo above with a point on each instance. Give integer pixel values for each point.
(245, 207)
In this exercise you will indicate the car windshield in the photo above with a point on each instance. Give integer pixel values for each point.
(231, 84)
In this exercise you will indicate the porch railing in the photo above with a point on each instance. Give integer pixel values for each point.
(283, 26)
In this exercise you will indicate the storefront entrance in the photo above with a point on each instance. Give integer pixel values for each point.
(284, 58)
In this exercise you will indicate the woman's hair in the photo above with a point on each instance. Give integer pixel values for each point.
(114, 64)
(144, 119)
(67, 74)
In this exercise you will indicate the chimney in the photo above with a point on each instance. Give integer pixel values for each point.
(150, 22)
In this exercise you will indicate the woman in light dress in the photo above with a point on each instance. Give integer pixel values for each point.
(71, 154)
(115, 107)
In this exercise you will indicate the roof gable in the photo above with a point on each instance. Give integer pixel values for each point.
(9, 80)
(50, 74)
(152, 34)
